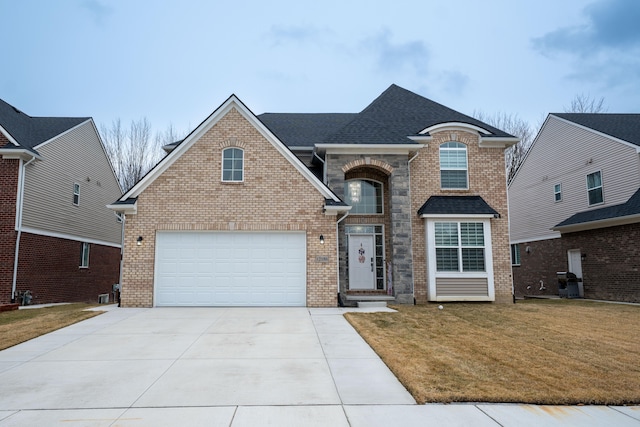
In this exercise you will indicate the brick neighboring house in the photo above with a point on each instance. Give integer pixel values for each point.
(405, 201)
(575, 206)
(55, 183)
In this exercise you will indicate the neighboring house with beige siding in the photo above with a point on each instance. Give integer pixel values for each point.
(404, 201)
(58, 239)
(572, 206)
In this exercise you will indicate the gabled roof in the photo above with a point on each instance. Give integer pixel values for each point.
(456, 205)
(129, 198)
(627, 212)
(29, 132)
(391, 118)
(622, 126)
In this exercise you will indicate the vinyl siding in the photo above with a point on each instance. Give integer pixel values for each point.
(461, 287)
(564, 153)
(74, 157)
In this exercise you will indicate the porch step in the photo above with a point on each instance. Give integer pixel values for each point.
(356, 297)
(371, 304)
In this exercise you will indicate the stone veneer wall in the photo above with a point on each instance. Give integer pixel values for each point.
(189, 195)
(396, 167)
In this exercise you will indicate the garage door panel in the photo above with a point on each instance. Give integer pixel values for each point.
(230, 268)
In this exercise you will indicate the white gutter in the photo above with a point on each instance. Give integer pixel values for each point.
(338, 249)
(19, 203)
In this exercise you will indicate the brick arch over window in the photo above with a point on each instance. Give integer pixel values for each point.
(233, 142)
(385, 167)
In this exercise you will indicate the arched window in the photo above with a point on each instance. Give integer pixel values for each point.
(365, 196)
(453, 166)
(232, 165)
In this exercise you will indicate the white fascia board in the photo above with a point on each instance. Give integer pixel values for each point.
(453, 126)
(19, 153)
(69, 237)
(61, 134)
(9, 137)
(231, 103)
(497, 142)
(425, 139)
(368, 148)
(603, 223)
(454, 216)
(536, 239)
(130, 209)
(335, 210)
(597, 132)
(300, 148)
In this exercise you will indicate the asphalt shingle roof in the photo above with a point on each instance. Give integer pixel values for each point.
(393, 116)
(456, 205)
(630, 207)
(621, 126)
(29, 131)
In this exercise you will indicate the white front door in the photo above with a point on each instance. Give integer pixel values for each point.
(361, 262)
(575, 266)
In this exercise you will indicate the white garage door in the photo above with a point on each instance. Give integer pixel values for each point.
(230, 269)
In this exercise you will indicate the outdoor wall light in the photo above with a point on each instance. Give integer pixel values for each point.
(583, 257)
(139, 241)
(321, 239)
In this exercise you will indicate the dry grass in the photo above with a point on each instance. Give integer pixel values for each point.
(22, 325)
(542, 352)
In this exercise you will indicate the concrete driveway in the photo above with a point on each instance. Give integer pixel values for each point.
(227, 367)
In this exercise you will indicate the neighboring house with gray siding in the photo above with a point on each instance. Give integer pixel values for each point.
(404, 201)
(573, 207)
(57, 239)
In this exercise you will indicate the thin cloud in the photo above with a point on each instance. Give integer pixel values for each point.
(393, 57)
(281, 34)
(99, 11)
(608, 42)
(454, 82)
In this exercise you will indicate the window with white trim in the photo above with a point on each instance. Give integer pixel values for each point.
(84, 255)
(594, 188)
(557, 192)
(453, 166)
(459, 246)
(76, 194)
(232, 165)
(365, 196)
(515, 254)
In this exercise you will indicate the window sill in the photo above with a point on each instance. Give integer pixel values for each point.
(232, 182)
(83, 268)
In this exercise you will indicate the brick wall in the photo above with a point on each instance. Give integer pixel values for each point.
(486, 179)
(189, 195)
(49, 268)
(610, 269)
(8, 192)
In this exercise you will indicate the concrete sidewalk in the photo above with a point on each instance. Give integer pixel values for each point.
(233, 367)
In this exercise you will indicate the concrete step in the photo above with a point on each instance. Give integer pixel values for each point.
(371, 304)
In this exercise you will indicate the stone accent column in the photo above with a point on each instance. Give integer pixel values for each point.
(399, 183)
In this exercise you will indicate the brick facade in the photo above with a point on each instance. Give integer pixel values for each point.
(486, 172)
(610, 268)
(8, 193)
(49, 268)
(189, 195)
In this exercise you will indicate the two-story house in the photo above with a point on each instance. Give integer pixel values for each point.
(574, 206)
(405, 201)
(57, 238)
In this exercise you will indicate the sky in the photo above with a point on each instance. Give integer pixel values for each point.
(174, 62)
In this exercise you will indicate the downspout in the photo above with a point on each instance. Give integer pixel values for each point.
(21, 179)
(338, 252)
(413, 283)
(124, 218)
(324, 167)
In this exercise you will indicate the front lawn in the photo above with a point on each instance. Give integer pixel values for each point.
(536, 351)
(22, 325)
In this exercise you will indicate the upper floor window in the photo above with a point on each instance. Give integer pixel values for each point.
(594, 188)
(365, 196)
(453, 166)
(76, 194)
(557, 192)
(233, 165)
(84, 255)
